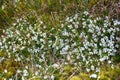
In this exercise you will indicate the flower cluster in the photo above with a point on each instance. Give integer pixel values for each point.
(91, 41)
(82, 41)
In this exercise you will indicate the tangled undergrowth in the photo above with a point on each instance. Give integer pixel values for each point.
(75, 50)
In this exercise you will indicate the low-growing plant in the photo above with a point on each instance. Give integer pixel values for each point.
(82, 41)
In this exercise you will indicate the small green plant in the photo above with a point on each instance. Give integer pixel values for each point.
(75, 78)
(81, 41)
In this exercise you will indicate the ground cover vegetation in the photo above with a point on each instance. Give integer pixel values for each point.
(59, 40)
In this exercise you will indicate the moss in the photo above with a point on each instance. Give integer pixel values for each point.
(75, 78)
(84, 76)
(108, 73)
(68, 69)
(11, 72)
(61, 78)
(2, 54)
(2, 78)
(10, 65)
(92, 3)
(103, 77)
(1, 68)
(35, 78)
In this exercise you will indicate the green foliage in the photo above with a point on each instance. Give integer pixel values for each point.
(53, 55)
(2, 54)
(43, 43)
(84, 76)
(108, 73)
(75, 78)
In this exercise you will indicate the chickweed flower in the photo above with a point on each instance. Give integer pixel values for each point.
(93, 76)
(88, 41)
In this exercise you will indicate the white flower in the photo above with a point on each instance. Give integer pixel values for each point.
(98, 18)
(92, 67)
(18, 71)
(117, 38)
(34, 38)
(1, 59)
(41, 22)
(37, 65)
(22, 48)
(85, 12)
(109, 62)
(52, 77)
(44, 27)
(112, 66)
(76, 25)
(26, 67)
(45, 77)
(30, 27)
(10, 79)
(82, 48)
(93, 76)
(44, 35)
(18, 59)
(55, 65)
(42, 40)
(88, 70)
(3, 7)
(91, 22)
(70, 26)
(66, 47)
(116, 22)
(17, 32)
(84, 24)
(90, 30)
(25, 73)
(0, 43)
(36, 73)
(117, 46)
(65, 33)
(83, 58)
(73, 30)
(67, 19)
(28, 35)
(71, 20)
(62, 25)
(94, 21)
(5, 70)
(76, 16)
(97, 70)
(63, 52)
(103, 58)
(90, 52)
(23, 78)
